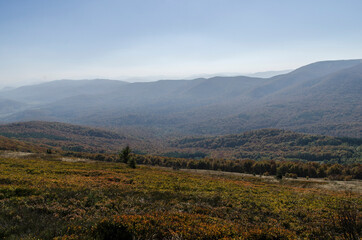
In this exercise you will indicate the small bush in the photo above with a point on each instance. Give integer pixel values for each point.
(347, 220)
(106, 230)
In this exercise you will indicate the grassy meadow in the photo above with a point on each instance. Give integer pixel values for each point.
(47, 198)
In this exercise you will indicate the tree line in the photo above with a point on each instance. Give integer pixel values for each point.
(292, 169)
(265, 167)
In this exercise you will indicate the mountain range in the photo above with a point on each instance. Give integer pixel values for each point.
(322, 97)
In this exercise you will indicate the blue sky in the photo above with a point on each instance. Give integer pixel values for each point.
(42, 40)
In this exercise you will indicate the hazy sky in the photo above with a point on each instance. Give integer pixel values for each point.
(43, 40)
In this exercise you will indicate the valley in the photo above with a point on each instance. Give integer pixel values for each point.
(320, 98)
(66, 181)
(180, 120)
(268, 152)
(219, 158)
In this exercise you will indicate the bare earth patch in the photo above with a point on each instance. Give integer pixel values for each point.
(65, 159)
(9, 154)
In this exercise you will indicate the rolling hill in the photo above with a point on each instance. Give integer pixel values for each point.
(322, 97)
(60, 89)
(331, 104)
(8, 106)
(8, 144)
(67, 137)
(264, 144)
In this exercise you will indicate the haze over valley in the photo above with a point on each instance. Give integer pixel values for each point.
(181, 120)
(322, 97)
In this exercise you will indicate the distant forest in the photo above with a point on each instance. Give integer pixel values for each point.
(266, 152)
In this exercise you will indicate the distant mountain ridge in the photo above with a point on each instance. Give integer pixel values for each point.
(323, 95)
(60, 89)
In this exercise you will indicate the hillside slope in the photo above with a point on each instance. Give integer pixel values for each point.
(67, 137)
(326, 105)
(323, 95)
(8, 144)
(274, 144)
(265, 144)
(71, 200)
(51, 91)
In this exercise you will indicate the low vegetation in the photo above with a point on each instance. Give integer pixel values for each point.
(45, 198)
(49, 192)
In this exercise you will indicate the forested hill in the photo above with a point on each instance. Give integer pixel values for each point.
(67, 137)
(264, 144)
(275, 144)
(322, 98)
(7, 144)
(259, 151)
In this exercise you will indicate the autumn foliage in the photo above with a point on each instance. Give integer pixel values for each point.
(46, 199)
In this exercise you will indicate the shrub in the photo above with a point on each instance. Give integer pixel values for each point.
(347, 219)
(132, 162)
(106, 230)
(267, 234)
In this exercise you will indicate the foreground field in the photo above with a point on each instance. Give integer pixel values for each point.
(46, 199)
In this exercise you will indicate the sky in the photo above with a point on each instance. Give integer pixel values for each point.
(139, 40)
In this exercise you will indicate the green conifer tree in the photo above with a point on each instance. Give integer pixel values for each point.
(125, 154)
